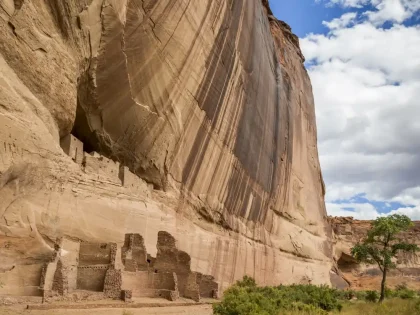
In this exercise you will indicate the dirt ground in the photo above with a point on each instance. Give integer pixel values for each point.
(172, 310)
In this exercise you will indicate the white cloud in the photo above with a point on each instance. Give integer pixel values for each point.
(391, 10)
(383, 10)
(366, 82)
(365, 211)
(341, 22)
(413, 213)
(348, 3)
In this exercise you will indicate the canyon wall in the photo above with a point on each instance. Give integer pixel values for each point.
(194, 118)
(347, 233)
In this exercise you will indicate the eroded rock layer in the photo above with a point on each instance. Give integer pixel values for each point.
(347, 233)
(202, 117)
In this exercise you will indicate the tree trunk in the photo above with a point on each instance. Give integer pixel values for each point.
(383, 286)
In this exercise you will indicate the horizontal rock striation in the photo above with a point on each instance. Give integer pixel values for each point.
(347, 233)
(195, 118)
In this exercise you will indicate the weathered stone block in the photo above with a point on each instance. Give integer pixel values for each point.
(91, 278)
(113, 254)
(73, 147)
(126, 295)
(135, 184)
(94, 254)
(102, 167)
(192, 290)
(165, 281)
(133, 253)
(112, 283)
(208, 287)
(47, 276)
(60, 282)
(174, 295)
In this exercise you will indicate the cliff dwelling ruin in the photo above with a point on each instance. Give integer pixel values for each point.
(94, 271)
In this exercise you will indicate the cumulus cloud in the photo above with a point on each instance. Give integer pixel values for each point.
(393, 10)
(366, 81)
(348, 3)
(366, 211)
(341, 22)
(382, 10)
(358, 211)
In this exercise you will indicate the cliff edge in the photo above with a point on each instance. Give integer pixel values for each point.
(141, 138)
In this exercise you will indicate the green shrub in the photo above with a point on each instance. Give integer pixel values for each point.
(245, 298)
(401, 291)
(346, 294)
(303, 308)
(406, 294)
(389, 293)
(361, 295)
(245, 301)
(246, 282)
(372, 296)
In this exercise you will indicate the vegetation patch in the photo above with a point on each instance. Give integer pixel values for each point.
(245, 298)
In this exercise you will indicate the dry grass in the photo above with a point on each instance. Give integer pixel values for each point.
(388, 307)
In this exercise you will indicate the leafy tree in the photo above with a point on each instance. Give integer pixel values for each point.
(382, 245)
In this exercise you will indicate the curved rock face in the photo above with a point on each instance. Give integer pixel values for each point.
(203, 118)
(347, 233)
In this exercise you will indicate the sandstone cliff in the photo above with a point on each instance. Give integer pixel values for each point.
(196, 119)
(347, 232)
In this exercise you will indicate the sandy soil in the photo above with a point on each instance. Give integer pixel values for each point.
(172, 310)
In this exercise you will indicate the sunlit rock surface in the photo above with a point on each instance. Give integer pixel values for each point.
(206, 108)
(347, 233)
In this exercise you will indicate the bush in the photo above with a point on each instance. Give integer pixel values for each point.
(303, 308)
(372, 296)
(246, 282)
(346, 294)
(244, 301)
(361, 295)
(389, 293)
(406, 294)
(245, 298)
(401, 291)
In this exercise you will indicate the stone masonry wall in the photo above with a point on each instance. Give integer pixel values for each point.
(132, 182)
(72, 147)
(133, 253)
(94, 254)
(208, 287)
(60, 282)
(113, 283)
(91, 278)
(105, 169)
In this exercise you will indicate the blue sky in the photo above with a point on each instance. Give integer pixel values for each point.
(306, 16)
(356, 51)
